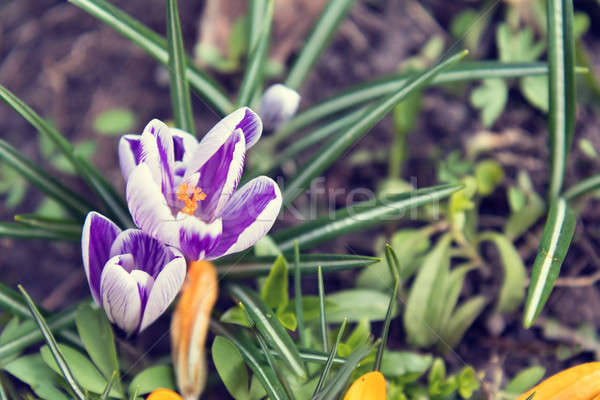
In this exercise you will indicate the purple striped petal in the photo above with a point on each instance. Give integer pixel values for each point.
(120, 296)
(184, 145)
(146, 203)
(195, 238)
(157, 151)
(248, 216)
(244, 119)
(165, 288)
(149, 255)
(220, 175)
(129, 153)
(97, 236)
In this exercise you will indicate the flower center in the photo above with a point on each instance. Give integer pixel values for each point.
(190, 199)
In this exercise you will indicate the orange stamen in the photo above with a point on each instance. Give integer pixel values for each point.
(191, 201)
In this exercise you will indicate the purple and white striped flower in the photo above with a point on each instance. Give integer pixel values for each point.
(183, 192)
(132, 275)
(279, 103)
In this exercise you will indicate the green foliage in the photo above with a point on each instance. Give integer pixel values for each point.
(490, 98)
(154, 377)
(231, 368)
(525, 380)
(115, 121)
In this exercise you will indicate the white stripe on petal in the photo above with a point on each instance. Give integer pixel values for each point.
(129, 148)
(120, 296)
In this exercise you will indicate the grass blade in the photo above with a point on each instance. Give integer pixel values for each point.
(314, 356)
(271, 362)
(322, 314)
(109, 385)
(18, 231)
(386, 324)
(556, 239)
(383, 86)
(246, 267)
(319, 38)
(266, 375)
(582, 188)
(67, 227)
(298, 295)
(42, 180)
(156, 45)
(331, 151)
(360, 216)
(258, 54)
(561, 79)
(269, 326)
(49, 338)
(329, 362)
(180, 90)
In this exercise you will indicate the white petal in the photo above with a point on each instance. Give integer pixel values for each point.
(120, 296)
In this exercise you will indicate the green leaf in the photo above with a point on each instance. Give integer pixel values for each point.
(519, 222)
(64, 226)
(489, 174)
(10, 229)
(420, 313)
(386, 323)
(519, 46)
(329, 363)
(535, 90)
(156, 46)
(513, 286)
(270, 327)
(180, 90)
(404, 364)
(467, 382)
(525, 380)
(561, 77)
(53, 349)
(582, 188)
(43, 180)
(298, 294)
(332, 150)
(231, 368)
(322, 310)
(490, 98)
(444, 304)
(155, 377)
(461, 320)
(360, 216)
(84, 371)
(116, 121)
(248, 266)
(557, 236)
(319, 38)
(275, 291)
(357, 304)
(288, 320)
(32, 370)
(587, 148)
(97, 335)
(266, 247)
(258, 53)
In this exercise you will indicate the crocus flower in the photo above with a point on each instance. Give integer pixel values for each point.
(132, 275)
(164, 394)
(279, 103)
(189, 327)
(183, 193)
(370, 386)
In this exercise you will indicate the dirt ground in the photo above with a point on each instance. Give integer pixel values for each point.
(69, 67)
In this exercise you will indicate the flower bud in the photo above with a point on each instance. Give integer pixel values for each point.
(189, 327)
(278, 105)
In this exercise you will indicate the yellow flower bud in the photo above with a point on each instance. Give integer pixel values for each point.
(189, 327)
(581, 382)
(164, 394)
(370, 386)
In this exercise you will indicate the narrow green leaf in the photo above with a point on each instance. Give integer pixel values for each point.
(446, 302)
(275, 291)
(356, 305)
(393, 262)
(19, 231)
(68, 227)
(582, 188)
(555, 242)
(231, 368)
(154, 377)
(512, 292)
(420, 315)
(32, 370)
(109, 385)
(331, 151)
(256, 13)
(562, 87)
(298, 294)
(383, 86)
(43, 180)
(360, 216)
(53, 346)
(332, 353)
(258, 54)
(525, 380)
(97, 336)
(322, 311)
(180, 90)
(271, 362)
(250, 354)
(461, 320)
(156, 45)
(386, 325)
(248, 266)
(319, 38)
(268, 325)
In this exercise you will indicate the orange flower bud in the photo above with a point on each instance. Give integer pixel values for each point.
(370, 386)
(164, 394)
(581, 382)
(189, 327)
